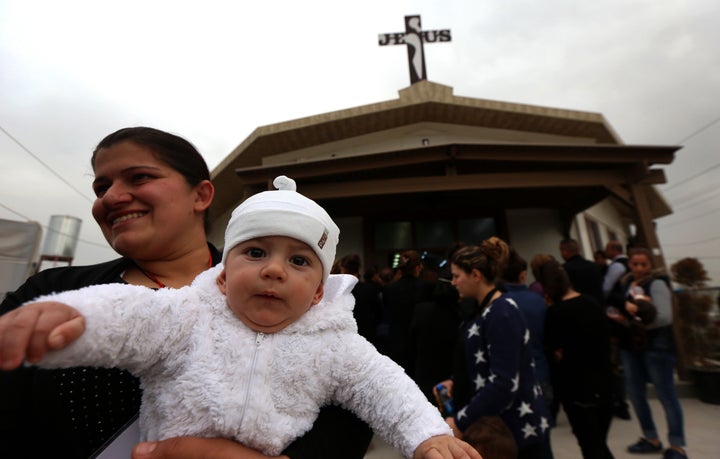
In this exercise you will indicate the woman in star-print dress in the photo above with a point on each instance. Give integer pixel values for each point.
(494, 368)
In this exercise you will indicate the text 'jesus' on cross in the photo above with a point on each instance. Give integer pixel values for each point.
(414, 37)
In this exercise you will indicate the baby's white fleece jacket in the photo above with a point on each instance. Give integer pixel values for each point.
(204, 373)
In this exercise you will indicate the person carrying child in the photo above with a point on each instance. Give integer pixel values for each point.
(250, 351)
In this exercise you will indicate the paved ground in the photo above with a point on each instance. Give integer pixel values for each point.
(702, 430)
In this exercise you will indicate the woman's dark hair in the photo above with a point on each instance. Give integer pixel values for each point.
(537, 261)
(409, 260)
(171, 149)
(554, 280)
(370, 273)
(490, 258)
(351, 264)
(515, 266)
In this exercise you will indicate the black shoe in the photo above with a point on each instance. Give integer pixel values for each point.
(644, 446)
(674, 454)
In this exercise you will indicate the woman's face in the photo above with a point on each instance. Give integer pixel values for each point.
(640, 265)
(465, 283)
(145, 208)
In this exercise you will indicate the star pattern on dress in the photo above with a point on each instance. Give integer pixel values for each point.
(537, 390)
(479, 356)
(474, 330)
(529, 431)
(524, 409)
(516, 383)
(479, 382)
(544, 424)
(526, 339)
(492, 377)
(462, 413)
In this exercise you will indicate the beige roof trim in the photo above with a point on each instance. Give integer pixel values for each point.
(474, 112)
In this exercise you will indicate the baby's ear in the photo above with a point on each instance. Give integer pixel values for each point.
(318, 294)
(222, 282)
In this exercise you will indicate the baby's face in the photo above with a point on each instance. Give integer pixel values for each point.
(271, 281)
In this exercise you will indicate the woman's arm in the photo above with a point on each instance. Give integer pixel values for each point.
(662, 299)
(196, 448)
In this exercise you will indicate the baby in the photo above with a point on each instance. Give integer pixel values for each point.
(254, 347)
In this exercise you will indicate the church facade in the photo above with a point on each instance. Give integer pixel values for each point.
(429, 169)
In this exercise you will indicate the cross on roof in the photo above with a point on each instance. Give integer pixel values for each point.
(414, 37)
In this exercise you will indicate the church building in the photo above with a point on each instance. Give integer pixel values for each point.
(431, 168)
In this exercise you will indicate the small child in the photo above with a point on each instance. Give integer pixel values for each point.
(255, 346)
(492, 438)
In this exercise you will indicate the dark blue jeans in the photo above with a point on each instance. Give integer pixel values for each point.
(656, 367)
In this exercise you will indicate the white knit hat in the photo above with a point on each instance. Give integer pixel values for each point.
(284, 212)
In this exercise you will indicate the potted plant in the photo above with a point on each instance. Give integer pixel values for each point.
(699, 327)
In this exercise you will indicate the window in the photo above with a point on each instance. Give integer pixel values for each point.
(476, 230)
(431, 238)
(393, 235)
(434, 233)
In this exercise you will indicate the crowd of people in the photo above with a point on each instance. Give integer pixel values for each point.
(585, 336)
(596, 338)
(599, 331)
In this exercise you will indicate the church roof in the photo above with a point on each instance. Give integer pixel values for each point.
(422, 102)
(428, 130)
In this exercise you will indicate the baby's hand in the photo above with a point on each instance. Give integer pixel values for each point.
(28, 332)
(632, 308)
(445, 447)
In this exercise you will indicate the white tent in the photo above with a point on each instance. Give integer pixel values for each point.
(19, 242)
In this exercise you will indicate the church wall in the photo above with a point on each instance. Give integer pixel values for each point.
(534, 231)
(610, 220)
(530, 231)
(598, 224)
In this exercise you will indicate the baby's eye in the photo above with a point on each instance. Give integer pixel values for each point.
(299, 260)
(254, 252)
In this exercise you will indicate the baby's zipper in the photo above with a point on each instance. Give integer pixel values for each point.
(258, 341)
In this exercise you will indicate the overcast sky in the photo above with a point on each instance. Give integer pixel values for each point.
(212, 71)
